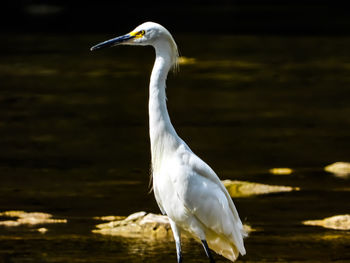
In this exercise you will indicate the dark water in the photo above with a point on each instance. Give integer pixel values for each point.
(74, 141)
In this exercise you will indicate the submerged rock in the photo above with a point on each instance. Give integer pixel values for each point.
(142, 225)
(281, 171)
(109, 218)
(339, 169)
(24, 218)
(245, 189)
(42, 230)
(136, 225)
(186, 61)
(338, 222)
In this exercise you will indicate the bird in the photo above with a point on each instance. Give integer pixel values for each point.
(186, 189)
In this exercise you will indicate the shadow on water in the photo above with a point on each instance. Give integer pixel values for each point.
(74, 140)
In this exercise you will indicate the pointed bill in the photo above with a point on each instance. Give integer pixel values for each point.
(113, 42)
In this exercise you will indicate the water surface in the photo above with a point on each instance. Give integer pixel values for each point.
(74, 140)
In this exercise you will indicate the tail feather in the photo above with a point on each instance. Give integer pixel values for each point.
(230, 248)
(223, 247)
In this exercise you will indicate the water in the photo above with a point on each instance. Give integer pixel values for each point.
(74, 141)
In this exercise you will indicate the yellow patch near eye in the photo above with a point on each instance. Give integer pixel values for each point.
(138, 34)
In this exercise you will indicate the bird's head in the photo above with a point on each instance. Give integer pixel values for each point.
(148, 33)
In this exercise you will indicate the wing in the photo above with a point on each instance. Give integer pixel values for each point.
(204, 170)
(204, 195)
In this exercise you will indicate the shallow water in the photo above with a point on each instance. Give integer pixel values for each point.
(74, 141)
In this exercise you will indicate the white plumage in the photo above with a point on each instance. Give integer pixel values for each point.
(186, 189)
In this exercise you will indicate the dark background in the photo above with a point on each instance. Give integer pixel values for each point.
(223, 16)
(268, 87)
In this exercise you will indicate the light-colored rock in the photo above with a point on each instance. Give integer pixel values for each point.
(42, 230)
(135, 216)
(9, 223)
(139, 224)
(24, 218)
(142, 225)
(245, 189)
(186, 61)
(281, 171)
(109, 218)
(339, 169)
(338, 222)
(12, 213)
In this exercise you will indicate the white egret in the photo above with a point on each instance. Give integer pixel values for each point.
(186, 189)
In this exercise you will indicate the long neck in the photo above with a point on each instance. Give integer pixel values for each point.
(162, 133)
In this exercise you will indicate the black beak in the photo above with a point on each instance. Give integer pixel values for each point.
(112, 42)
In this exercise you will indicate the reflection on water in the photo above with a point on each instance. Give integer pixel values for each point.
(73, 141)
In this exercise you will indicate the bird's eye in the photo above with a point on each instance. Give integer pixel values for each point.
(138, 34)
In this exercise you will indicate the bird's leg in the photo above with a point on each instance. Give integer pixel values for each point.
(178, 251)
(177, 237)
(207, 251)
